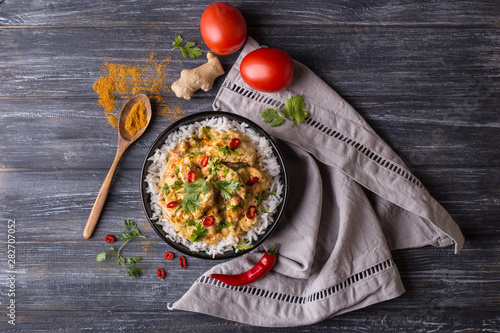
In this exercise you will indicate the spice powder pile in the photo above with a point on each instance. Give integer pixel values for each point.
(136, 118)
(126, 80)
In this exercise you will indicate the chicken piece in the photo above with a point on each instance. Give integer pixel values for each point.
(255, 180)
(234, 209)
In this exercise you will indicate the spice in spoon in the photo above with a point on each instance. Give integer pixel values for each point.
(136, 119)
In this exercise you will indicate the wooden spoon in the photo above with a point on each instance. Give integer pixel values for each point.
(124, 141)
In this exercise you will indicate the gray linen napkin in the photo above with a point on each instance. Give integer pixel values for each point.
(352, 201)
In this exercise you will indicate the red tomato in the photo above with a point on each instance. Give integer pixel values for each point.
(267, 69)
(223, 28)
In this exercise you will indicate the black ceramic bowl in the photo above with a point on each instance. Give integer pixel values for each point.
(146, 199)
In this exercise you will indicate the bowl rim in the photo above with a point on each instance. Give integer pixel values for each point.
(160, 140)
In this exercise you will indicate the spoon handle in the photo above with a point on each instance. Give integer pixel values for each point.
(95, 213)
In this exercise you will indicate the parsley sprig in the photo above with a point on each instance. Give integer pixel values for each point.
(227, 187)
(226, 151)
(293, 110)
(192, 198)
(197, 231)
(188, 50)
(131, 269)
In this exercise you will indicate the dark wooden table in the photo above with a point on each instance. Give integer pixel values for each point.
(425, 74)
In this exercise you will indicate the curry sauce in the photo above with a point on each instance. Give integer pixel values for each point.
(212, 186)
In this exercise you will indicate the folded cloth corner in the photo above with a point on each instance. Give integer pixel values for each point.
(352, 201)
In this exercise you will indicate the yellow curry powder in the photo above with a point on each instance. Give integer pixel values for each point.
(126, 80)
(136, 118)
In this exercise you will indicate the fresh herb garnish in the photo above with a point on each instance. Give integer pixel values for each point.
(188, 50)
(197, 186)
(261, 197)
(226, 151)
(238, 167)
(131, 269)
(165, 188)
(192, 198)
(223, 225)
(197, 232)
(246, 247)
(234, 207)
(175, 212)
(192, 202)
(177, 185)
(227, 188)
(176, 170)
(194, 154)
(293, 110)
(214, 164)
(206, 131)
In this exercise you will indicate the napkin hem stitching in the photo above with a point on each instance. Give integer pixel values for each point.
(371, 153)
(336, 289)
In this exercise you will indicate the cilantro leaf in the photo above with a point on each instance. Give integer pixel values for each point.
(189, 50)
(177, 185)
(191, 202)
(223, 225)
(227, 188)
(197, 232)
(293, 111)
(294, 107)
(206, 131)
(214, 166)
(273, 117)
(197, 186)
(226, 151)
(240, 247)
(131, 232)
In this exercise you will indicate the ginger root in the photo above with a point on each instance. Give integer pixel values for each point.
(201, 77)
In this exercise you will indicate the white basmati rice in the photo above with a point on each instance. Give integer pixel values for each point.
(265, 159)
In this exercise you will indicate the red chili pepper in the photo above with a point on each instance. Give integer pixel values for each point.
(192, 176)
(252, 181)
(172, 204)
(168, 255)
(234, 143)
(204, 161)
(161, 273)
(208, 221)
(252, 210)
(182, 261)
(253, 274)
(109, 238)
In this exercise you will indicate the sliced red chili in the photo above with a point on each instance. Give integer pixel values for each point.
(168, 255)
(208, 221)
(109, 238)
(161, 273)
(172, 204)
(251, 212)
(234, 143)
(253, 274)
(192, 176)
(204, 161)
(182, 262)
(252, 181)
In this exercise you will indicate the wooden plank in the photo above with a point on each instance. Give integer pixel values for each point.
(371, 319)
(388, 62)
(24, 13)
(75, 134)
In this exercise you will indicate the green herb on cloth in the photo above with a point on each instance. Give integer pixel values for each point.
(293, 111)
